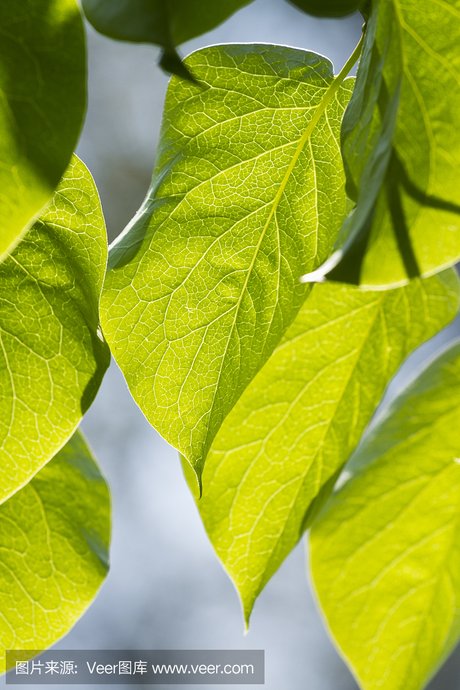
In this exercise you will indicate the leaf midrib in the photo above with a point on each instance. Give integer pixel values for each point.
(304, 476)
(320, 111)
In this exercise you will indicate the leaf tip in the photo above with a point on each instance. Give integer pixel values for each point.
(193, 476)
(199, 482)
(247, 610)
(171, 62)
(247, 605)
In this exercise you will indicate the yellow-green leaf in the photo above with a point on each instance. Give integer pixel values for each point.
(401, 144)
(52, 357)
(54, 540)
(278, 452)
(247, 193)
(386, 550)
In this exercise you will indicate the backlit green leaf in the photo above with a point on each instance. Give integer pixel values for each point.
(43, 86)
(386, 550)
(167, 23)
(248, 192)
(281, 446)
(401, 142)
(54, 539)
(51, 357)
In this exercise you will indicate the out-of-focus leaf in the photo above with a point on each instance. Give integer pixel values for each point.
(386, 549)
(166, 23)
(247, 193)
(52, 358)
(43, 86)
(278, 452)
(328, 8)
(54, 540)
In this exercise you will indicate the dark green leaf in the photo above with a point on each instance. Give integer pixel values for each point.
(328, 8)
(43, 86)
(166, 23)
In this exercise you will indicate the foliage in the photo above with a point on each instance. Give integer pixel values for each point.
(271, 173)
(166, 23)
(262, 485)
(42, 79)
(54, 546)
(226, 230)
(328, 8)
(386, 551)
(402, 164)
(52, 357)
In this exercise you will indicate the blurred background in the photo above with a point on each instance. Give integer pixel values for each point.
(166, 588)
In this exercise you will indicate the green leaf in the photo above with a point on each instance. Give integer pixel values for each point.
(386, 550)
(278, 453)
(43, 86)
(166, 23)
(328, 8)
(54, 539)
(401, 143)
(52, 358)
(248, 192)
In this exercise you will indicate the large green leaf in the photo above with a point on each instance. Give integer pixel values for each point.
(280, 448)
(248, 192)
(401, 143)
(167, 23)
(54, 539)
(43, 86)
(52, 358)
(386, 550)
